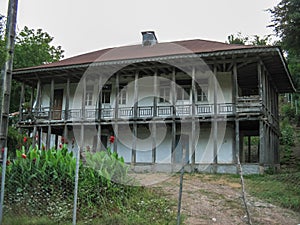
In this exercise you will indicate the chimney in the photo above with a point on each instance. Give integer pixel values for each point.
(149, 38)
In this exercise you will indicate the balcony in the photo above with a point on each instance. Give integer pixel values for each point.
(245, 105)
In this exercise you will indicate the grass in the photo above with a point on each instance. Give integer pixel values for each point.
(278, 189)
(146, 207)
(282, 189)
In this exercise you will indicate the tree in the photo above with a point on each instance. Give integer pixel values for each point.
(38, 44)
(237, 39)
(252, 40)
(286, 24)
(32, 48)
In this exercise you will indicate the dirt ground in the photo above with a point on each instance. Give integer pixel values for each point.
(206, 200)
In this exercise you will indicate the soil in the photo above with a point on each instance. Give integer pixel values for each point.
(207, 200)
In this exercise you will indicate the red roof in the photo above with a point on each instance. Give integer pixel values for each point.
(139, 51)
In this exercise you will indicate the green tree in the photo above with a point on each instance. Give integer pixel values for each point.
(286, 24)
(237, 39)
(252, 40)
(37, 43)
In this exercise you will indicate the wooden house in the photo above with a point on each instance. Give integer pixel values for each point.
(201, 101)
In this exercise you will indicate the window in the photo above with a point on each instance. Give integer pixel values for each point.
(105, 97)
(183, 93)
(202, 93)
(164, 94)
(122, 96)
(89, 95)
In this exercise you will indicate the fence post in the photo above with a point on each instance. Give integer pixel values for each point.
(3, 183)
(76, 185)
(180, 185)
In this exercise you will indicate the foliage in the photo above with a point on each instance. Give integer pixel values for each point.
(35, 43)
(280, 189)
(243, 40)
(41, 182)
(286, 23)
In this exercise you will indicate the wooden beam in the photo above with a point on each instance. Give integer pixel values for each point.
(135, 111)
(215, 123)
(22, 99)
(51, 103)
(67, 105)
(194, 96)
(115, 124)
(173, 92)
(48, 140)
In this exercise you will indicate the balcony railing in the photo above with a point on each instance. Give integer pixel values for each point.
(244, 105)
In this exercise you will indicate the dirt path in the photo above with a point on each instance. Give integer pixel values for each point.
(207, 200)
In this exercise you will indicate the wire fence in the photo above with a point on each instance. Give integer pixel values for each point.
(55, 186)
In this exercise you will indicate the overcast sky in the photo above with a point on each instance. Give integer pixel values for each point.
(81, 26)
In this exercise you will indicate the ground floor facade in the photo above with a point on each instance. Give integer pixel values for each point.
(213, 145)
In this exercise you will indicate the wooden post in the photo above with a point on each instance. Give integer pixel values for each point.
(237, 140)
(135, 112)
(83, 98)
(215, 123)
(51, 100)
(22, 98)
(173, 116)
(116, 128)
(234, 88)
(194, 95)
(249, 149)
(67, 105)
(48, 141)
(261, 143)
(51, 104)
(36, 109)
(154, 130)
(7, 77)
(100, 86)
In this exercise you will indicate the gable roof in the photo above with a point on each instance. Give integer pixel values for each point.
(139, 51)
(273, 58)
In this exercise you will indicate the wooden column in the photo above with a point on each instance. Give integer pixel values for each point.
(36, 108)
(194, 95)
(215, 116)
(83, 98)
(237, 140)
(51, 104)
(135, 115)
(261, 143)
(235, 87)
(100, 86)
(236, 146)
(48, 140)
(22, 98)
(154, 130)
(173, 92)
(67, 105)
(116, 128)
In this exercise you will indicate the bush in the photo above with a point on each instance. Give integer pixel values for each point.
(41, 182)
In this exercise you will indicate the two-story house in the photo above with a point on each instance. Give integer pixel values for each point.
(202, 101)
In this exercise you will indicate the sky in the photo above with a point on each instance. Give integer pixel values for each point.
(81, 26)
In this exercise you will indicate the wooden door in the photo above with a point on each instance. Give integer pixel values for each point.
(182, 142)
(57, 104)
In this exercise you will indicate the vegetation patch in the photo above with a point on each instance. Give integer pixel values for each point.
(40, 190)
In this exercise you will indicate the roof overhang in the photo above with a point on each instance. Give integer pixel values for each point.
(272, 57)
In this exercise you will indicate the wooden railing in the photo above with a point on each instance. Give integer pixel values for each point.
(244, 105)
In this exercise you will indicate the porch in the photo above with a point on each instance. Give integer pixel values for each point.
(244, 105)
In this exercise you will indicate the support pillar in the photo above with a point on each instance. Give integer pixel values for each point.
(194, 95)
(116, 128)
(173, 91)
(153, 128)
(135, 115)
